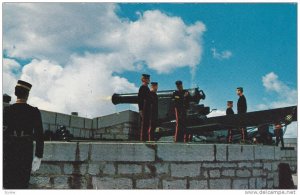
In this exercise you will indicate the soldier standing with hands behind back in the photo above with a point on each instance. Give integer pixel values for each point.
(241, 109)
(144, 101)
(22, 124)
(181, 99)
(154, 111)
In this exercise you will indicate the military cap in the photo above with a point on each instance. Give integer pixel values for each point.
(229, 102)
(145, 76)
(178, 82)
(240, 88)
(154, 83)
(24, 85)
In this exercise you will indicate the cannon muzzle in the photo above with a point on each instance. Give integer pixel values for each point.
(132, 98)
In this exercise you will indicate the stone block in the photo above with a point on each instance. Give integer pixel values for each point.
(240, 184)
(240, 153)
(76, 169)
(245, 165)
(268, 166)
(174, 184)
(88, 123)
(61, 182)
(270, 184)
(65, 151)
(39, 182)
(117, 118)
(46, 127)
(219, 165)
(133, 152)
(48, 117)
(108, 136)
(76, 132)
(63, 120)
(257, 172)
(264, 153)
(49, 169)
(151, 183)
(111, 183)
(221, 152)
(185, 152)
(219, 184)
(243, 173)
(162, 168)
(214, 173)
(252, 182)
(109, 169)
(257, 164)
(122, 137)
(228, 173)
(183, 170)
(261, 183)
(77, 121)
(93, 169)
(129, 169)
(276, 179)
(95, 123)
(198, 184)
(205, 174)
(277, 153)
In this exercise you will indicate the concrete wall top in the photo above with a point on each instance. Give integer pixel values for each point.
(148, 152)
(127, 116)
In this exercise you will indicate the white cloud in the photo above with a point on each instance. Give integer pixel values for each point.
(78, 50)
(221, 55)
(11, 70)
(284, 96)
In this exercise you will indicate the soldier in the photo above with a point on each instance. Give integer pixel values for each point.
(181, 102)
(229, 111)
(144, 102)
(154, 111)
(279, 134)
(242, 108)
(22, 124)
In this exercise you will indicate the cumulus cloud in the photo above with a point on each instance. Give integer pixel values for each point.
(78, 50)
(221, 55)
(285, 95)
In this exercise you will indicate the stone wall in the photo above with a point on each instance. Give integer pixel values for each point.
(118, 126)
(119, 165)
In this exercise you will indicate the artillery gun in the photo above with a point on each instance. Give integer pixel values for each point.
(199, 124)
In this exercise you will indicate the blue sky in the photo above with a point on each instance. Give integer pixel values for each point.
(261, 37)
(77, 55)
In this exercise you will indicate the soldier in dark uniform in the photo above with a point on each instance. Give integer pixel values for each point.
(241, 109)
(229, 111)
(22, 124)
(144, 101)
(181, 103)
(154, 111)
(279, 134)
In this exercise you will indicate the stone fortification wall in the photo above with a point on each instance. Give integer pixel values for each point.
(119, 165)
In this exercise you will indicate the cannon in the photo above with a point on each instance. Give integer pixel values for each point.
(165, 106)
(200, 125)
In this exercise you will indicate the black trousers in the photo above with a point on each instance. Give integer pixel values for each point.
(145, 124)
(279, 138)
(152, 127)
(180, 132)
(17, 162)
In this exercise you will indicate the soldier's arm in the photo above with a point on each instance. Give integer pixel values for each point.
(38, 135)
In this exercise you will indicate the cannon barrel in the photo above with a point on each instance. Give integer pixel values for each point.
(132, 98)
